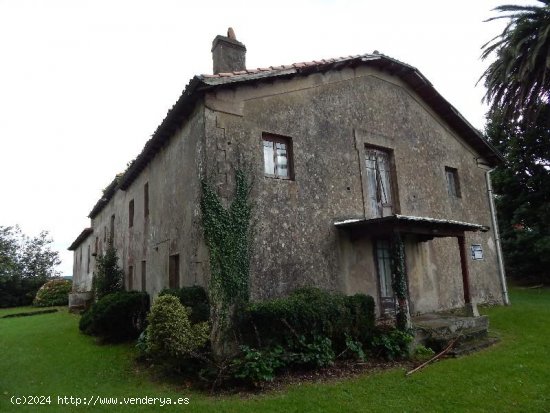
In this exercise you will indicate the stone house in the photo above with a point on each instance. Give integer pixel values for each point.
(343, 153)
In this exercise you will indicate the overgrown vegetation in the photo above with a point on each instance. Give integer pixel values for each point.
(53, 292)
(117, 316)
(25, 265)
(227, 235)
(509, 377)
(399, 282)
(170, 336)
(108, 276)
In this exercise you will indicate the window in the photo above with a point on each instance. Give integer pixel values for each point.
(277, 157)
(143, 275)
(379, 186)
(383, 266)
(112, 234)
(130, 278)
(96, 247)
(174, 271)
(88, 262)
(453, 185)
(146, 199)
(131, 214)
(105, 234)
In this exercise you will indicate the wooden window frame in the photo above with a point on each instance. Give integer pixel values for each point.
(269, 137)
(143, 275)
(394, 189)
(112, 233)
(146, 199)
(450, 171)
(130, 277)
(174, 271)
(131, 213)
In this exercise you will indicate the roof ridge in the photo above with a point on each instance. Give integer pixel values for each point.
(295, 65)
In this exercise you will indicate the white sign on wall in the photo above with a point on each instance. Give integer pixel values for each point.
(477, 252)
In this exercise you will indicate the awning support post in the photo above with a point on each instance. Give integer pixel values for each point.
(470, 306)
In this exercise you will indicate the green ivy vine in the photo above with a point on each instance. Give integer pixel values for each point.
(399, 282)
(227, 235)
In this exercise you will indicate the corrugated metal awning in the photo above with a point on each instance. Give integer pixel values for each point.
(433, 227)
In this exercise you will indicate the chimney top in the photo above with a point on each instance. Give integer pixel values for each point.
(228, 54)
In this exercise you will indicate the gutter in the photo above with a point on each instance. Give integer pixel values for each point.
(500, 260)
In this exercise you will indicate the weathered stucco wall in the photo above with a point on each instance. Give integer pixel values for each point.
(83, 265)
(172, 226)
(330, 118)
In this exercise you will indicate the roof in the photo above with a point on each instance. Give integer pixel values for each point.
(199, 84)
(81, 238)
(433, 227)
(108, 193)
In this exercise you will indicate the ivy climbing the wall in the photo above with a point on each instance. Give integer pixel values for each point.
(227, 235)
(399, 282)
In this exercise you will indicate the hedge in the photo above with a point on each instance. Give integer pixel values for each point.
(117, 316)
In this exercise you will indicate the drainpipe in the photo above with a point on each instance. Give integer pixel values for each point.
(501, 272)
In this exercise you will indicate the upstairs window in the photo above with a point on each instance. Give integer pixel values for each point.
(131, 214)
(453, 184)
(277, 157)
(146, 199)
(112, 233)
(379, 181)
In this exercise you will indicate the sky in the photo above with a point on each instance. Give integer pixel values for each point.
(84, 84)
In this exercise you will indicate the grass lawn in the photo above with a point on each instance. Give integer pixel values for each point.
(46, 355)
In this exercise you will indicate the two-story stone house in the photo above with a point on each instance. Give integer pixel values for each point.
(343, 152)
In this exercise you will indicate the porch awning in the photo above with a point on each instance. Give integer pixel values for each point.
(406, 224)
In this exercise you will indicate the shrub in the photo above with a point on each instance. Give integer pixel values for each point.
(391, 344)
(255, 366)
(117, 316)
(53, 292)
(317, 353)
(170, 335)
(308, 312)
(195, 298)
(108, 275)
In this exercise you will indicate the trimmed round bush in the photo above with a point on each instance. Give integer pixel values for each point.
(170, 334)
(195, 298)
(53, 292)
(116, 317)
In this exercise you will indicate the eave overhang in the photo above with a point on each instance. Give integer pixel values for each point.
(80, 239)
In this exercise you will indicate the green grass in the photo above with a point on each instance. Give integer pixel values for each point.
(46, 355)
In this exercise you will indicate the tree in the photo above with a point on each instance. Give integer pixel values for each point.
(108, 275)
(25, 265)
(517, 81)
(522, 186)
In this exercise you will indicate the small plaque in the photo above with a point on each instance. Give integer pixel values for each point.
(477, 252)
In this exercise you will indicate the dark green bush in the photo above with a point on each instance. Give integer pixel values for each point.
(308, 312)
(117, 316)
(256, 366)
(316, 353)
(392, 344)
(195, 298)
(53, 292)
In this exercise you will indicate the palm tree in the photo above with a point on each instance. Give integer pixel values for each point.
(518, 81)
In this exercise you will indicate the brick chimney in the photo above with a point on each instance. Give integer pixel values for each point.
(228, 54)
